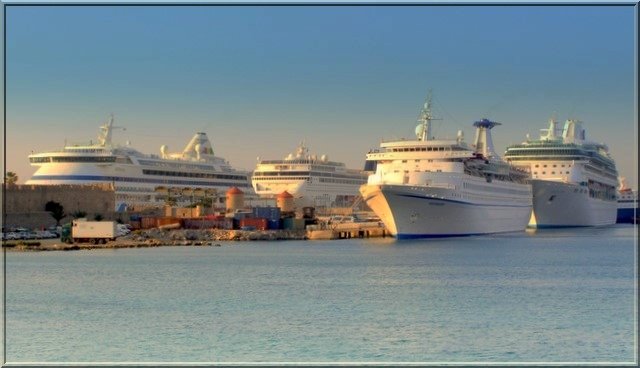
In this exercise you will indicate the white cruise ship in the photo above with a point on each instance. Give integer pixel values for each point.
(574, 180)
(312, 180)
(139, 178)
(435, 187)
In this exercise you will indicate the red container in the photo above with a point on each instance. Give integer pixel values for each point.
(214, 217)
(148, 222)
(258, 223)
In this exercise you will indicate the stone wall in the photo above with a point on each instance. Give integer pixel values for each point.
(25, 203)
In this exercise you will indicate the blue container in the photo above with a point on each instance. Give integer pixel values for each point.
(273, 224)
(270, 213)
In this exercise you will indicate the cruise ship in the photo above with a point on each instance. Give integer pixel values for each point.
(311, 179)
(140, 180)
(444, 187)
(627, 204)
(574, 180)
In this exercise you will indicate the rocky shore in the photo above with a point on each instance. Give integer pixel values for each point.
(163, 237)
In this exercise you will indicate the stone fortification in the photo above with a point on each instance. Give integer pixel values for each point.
(25, 203)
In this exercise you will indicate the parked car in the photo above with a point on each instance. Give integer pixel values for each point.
(13, 236)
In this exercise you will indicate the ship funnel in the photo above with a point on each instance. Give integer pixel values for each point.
(573, 131)
(483, 141)
(200, 139)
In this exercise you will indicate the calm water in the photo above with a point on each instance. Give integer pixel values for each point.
(552, 295)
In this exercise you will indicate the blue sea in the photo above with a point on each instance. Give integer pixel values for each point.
(562, 295)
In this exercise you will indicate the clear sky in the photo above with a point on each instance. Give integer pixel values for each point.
(259, 79)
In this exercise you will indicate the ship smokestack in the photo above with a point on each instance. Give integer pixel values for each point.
(483, 142)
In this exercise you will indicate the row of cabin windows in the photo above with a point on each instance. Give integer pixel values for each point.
(407, 171)
(405, 161)
(428, 149)
(552, 173)
(554, 165)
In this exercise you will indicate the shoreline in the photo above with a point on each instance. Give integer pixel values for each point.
(160, 238)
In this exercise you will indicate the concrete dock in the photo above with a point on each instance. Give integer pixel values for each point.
(325, 231)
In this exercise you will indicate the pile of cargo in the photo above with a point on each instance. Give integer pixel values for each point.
(256, 219)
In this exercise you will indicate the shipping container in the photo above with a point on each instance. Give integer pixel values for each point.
(258, 223)
(242, 215)
(274, 224)
(148, 222)
(270, 213)
(291, 223)
(162, 221)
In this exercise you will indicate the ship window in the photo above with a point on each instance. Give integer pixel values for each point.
(554, 165)
(429, 148)
(562, 165)
(553, 172)
(404, 161)
(535, 172)
(544, 172)
(417, 160)
(567, 172)
(544, 165)
(537, 165)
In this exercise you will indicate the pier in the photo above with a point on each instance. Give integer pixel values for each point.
(324, 231)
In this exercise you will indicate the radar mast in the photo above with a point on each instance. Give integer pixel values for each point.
(423, 130)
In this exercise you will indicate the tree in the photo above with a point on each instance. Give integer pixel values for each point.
(79, 214)
(11, 178)
(170, 201)
(206, 202)
(98, 217)
(56, 210)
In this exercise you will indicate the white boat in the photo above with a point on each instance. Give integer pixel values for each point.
(627, 204)
(574, 180)
(311, 179)
(140, 180)
(439, 187)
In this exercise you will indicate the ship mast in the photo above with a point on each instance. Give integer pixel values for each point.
(104, 138)
(423, 130)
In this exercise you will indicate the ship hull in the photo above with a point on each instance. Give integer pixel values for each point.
(422, 212)
(557, 204)
(627, 215)
(310, 193)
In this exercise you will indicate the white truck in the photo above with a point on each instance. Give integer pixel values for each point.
(94, 232)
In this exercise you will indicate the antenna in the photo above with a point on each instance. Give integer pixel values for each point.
(423, 130)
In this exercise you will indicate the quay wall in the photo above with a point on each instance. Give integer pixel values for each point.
(24, 204)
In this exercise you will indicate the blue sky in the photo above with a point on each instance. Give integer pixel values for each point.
(258, 79)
